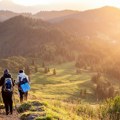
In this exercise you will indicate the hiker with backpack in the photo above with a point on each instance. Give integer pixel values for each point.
(23, 85)
(7, 84)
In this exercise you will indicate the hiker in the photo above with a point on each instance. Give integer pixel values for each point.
(20, 78)
(7, 84)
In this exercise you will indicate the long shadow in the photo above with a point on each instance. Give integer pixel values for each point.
(87, 84)
(88, 98)
(43, 80)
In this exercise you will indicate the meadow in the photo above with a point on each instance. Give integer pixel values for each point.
(66, 95)
(62, 92)
(65, 85)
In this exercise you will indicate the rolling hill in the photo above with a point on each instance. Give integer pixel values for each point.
(98, 23)
(64, 34)
(31, 37)
(5, 15)
(52, 15)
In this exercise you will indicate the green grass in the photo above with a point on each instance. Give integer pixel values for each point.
(61, 92)
(66, 84)
(61, 96)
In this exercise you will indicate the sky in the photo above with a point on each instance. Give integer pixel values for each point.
(48, 5)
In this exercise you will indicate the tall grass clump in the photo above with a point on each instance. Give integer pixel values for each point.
(111, 109)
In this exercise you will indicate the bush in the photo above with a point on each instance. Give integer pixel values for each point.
(44, 118)
(24, 107)
(36, 103)
(13, 63)
(86, 111)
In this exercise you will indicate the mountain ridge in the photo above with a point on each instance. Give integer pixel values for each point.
(52, 15)
(23, 36)
(26, 35)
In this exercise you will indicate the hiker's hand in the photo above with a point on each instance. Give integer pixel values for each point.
(14, 81)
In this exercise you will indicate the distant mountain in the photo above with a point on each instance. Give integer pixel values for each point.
(94, 15)
(64, 35)
(51, 15)
(32, 37)
(44, 15)
(5, 15)
(103, 23)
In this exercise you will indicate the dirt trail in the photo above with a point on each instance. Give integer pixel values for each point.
(3, 116)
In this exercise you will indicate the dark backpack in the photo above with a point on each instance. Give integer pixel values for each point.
(8, 85)
(23, 81)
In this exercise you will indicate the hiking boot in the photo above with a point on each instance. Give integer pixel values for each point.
(11, 113)
(7, 113)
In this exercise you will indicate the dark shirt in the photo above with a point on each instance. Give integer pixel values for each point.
(2, 80)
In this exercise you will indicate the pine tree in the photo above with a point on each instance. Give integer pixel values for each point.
(45, 70)
(27, 70)
(36, 69)
(48, 69)
(80, 92)
(85, 92)
(111, 91)
(43, 64)
(54, 71)
(33, 62)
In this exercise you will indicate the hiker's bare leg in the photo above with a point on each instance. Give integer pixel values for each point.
(26, 96)
(21, 96)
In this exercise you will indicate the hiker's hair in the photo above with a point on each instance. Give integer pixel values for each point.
(21, 71)
(6, 71)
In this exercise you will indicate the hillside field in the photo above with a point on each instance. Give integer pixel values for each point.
(59, 96)
(61, 92)
(65, 85)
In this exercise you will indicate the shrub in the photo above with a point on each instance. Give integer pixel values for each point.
(24, 107)
(86, 110)
(44, 118)
(111, 109)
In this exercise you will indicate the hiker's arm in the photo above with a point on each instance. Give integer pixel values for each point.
(29, 80)
(17, 81)
(13, 82)
(1, 81)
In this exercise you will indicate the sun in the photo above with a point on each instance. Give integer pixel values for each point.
(32, 2)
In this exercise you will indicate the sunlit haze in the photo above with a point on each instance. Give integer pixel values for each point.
(37, 5)
(33, 2)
